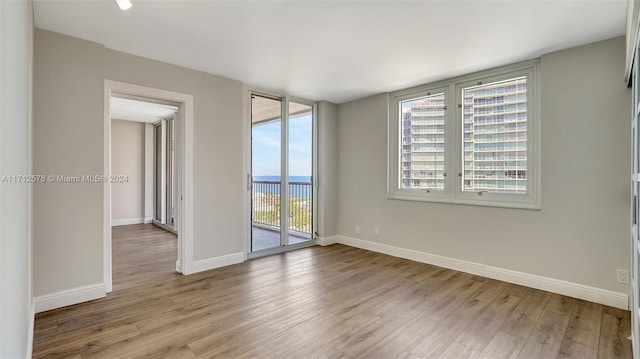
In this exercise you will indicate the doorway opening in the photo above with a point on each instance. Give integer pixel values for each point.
(281, 178)
(148, 187)
(142, 189)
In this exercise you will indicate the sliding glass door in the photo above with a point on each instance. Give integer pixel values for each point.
(281, 186)
(266, 176)
(300, 187)
(164, 176)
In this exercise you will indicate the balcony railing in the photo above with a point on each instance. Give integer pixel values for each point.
(266, 205)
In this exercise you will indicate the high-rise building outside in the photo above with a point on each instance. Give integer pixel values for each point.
(494, 118)
(423, 142)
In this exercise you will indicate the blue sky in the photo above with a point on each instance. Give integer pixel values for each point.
(266, 148)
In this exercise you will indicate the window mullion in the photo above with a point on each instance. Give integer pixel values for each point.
(451, 147)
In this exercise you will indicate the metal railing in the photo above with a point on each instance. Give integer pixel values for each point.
(266, 205)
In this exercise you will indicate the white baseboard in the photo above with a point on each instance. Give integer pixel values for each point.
(69, 297)
(148, 220)
(127, 221)
(30, 333)
(585, 292)
(178, 266)
(593, 294)
(326, 241)
(216, 262)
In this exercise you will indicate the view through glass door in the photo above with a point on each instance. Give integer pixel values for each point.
(282, 167)
(165, 173)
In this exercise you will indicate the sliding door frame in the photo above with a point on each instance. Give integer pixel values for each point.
(284, 168)
(634, 303)
(165, 184)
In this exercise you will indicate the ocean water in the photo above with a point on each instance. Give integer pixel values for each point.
(295, 191)
(277, 178)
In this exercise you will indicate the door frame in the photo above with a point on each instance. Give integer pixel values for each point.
(247, 167)
(184, 177)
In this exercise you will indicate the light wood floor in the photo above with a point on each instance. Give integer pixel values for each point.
(141, 253)
(330, 302)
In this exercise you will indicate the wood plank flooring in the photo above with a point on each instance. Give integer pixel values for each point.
(141, 252)
(324, 302)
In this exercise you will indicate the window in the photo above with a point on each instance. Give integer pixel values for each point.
(482, 128)
(423, 142)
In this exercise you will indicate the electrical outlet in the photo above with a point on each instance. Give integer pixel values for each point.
(357, 229)
(623, 276)
(376, 231)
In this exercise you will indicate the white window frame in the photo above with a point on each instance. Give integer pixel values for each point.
(395, 128)
(454, 152)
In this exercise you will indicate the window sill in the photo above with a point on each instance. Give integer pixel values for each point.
(468, 202)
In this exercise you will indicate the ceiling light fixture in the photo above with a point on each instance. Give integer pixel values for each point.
(124, 4)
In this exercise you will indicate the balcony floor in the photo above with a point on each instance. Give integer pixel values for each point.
(264, 238)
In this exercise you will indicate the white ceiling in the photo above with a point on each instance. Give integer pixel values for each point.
(337, 50)
(139, 111)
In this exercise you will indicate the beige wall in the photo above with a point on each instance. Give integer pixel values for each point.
(68, 139)
(68, 129)
(217, 146)
(16, 46)
(327, 168)
(128, 159)
(149, 151)
(582, 233)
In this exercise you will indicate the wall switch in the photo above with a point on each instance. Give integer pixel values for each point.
(376, 231)
(357, 229)
(623, 276)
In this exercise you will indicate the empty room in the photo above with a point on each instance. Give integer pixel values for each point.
(319, 179)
